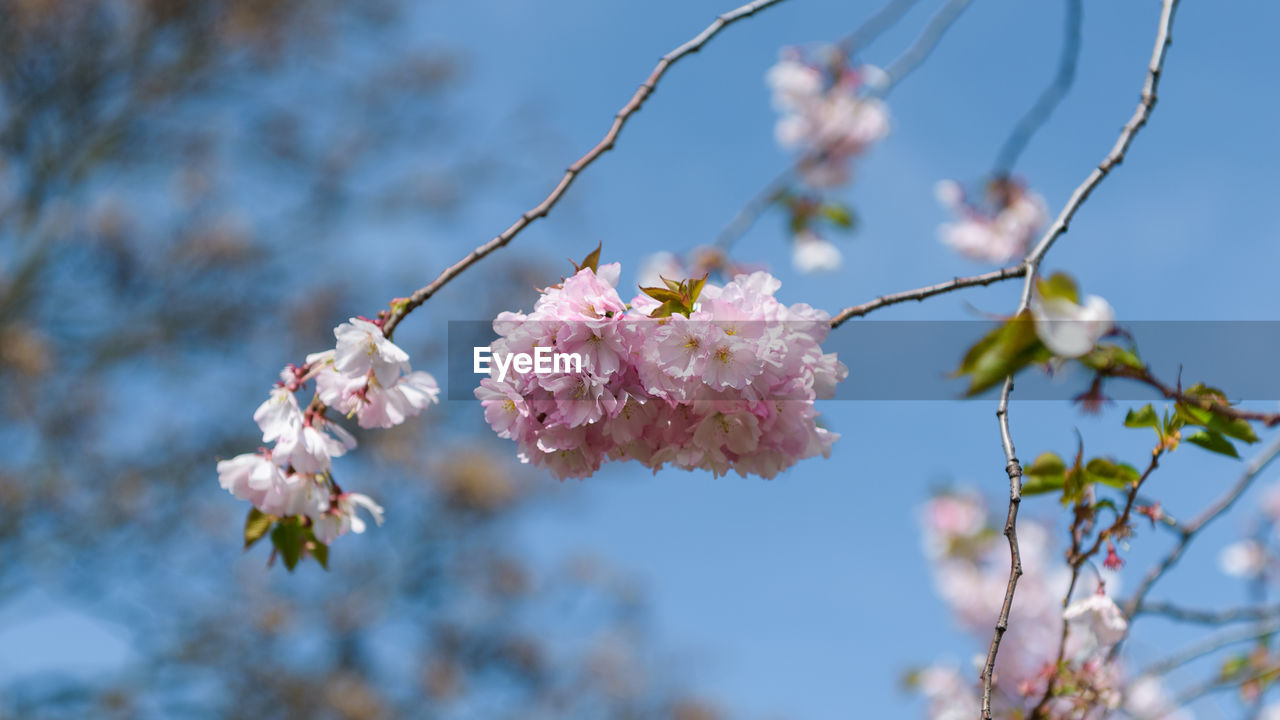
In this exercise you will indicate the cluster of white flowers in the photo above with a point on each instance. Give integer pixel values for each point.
(825, 111)
(998, 230)
(970, 567)
(366, 376)
(731, 386)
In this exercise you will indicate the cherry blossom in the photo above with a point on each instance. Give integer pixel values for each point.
(1068, 329)
(1101, 616)
(341, 517)
(813, 253)
(825, 113)
(997, 231)
(366, 376)
(970, 565)
(729, 387)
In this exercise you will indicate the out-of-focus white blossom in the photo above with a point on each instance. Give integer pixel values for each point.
(811, 253)
(341, 517)
(825, 113)
(995, 232)
(1245, 559)
(1068, 329)
(1101, 616)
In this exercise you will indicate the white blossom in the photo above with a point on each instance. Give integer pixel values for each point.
(1101, 616)
(811, 253)
(1070, 330)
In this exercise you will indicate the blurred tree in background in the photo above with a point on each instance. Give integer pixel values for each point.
(166, 167)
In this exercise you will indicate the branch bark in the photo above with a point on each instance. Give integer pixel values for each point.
(1032, 264)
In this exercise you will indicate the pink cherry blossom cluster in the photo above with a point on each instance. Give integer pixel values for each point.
(998, 230)
(970, 565)
(730, 386)
(365, 376)
(825, 111)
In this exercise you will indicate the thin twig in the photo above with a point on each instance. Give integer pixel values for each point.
(421, 295)
(925, 292)
(1032, 263)
(1049, 98)
(1131, 128)
(1210, 617)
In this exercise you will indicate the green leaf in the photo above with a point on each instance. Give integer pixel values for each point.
(1058, 285)
(1002, 352)
(1233, 427)
(1205, 391)
(1191, 415)
(1047, 474)
(839, 215)
(255, 526)
(287, 539)
(319, 551)
(1116, 475)
(1145, 417)
(1108, 355)
(1213, 441)
(662, 295)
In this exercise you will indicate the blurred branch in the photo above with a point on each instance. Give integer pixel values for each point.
(882, 20)
(1049, 98)
(925, 292)
(919, 51)
(1207, 646)
(1032, 263)
(422, 294)
(1209, 617)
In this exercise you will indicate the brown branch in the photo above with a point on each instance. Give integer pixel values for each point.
(540, 210)
(1013, 469)
(1204, 402)
(1032, 263)
(925, 292)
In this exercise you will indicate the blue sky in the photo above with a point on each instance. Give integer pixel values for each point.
(808, 596)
